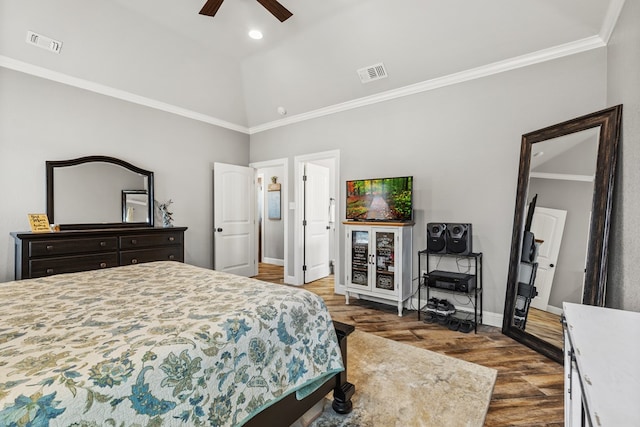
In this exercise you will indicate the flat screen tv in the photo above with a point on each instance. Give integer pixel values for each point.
(380, 199)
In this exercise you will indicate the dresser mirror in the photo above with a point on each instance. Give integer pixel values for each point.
(98, 192)
(561, 226)
(135, 206)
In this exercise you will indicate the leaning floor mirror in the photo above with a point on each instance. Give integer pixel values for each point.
(561, 226)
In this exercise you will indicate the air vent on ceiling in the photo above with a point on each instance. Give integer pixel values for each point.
(372, 72)
(43, 42)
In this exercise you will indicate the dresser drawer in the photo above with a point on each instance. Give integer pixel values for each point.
(167, 253)
(56, 265)
(146, 240)
(57, 247)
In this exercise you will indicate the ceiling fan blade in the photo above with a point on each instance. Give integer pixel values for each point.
(276, 9)
(211, 7)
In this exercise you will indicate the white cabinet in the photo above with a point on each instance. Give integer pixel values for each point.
(378, 262)
(601, 366)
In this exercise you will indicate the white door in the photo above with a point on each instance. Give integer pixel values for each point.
(548, 226)
(316, 217)
(233, 219)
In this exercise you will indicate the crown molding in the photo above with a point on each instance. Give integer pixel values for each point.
(34, 70)
(533, 58)
(611, 19)
(562, 176)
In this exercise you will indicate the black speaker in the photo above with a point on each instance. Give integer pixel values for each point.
(436, 242)
(458, 238)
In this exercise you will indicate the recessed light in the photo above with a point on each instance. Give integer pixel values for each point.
(255, 34)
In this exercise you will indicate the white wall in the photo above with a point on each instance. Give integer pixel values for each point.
(461, 143)
(623, 288)
(41, 120)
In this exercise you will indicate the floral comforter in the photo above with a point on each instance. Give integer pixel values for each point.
(155, 344)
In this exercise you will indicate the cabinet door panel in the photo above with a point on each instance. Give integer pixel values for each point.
(385, 251)
(360, 258)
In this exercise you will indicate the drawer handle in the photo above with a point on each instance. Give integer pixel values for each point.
(134, 261)
(171, 239)
(49, 270)
(172, 257)
(103, 244)
(134, 241)
(103, 265)
(49, 247)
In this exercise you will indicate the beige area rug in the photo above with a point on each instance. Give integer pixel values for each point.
(401, 385)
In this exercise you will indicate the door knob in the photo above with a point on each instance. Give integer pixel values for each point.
(219, 230)
(552, 265)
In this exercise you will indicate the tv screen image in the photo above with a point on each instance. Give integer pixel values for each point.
(380, 199)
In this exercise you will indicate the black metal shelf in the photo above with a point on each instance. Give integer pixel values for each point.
(475, 296)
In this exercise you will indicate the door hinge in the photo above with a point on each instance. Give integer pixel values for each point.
(304, 268)
(304, 177)
(304, 222)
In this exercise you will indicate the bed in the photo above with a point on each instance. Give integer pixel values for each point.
(165, 343)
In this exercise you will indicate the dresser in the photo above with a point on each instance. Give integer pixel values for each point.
(46, 254)
(602, 373)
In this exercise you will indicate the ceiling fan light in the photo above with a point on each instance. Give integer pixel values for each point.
(255, 34)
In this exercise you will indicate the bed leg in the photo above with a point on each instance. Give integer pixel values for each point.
(344, 390)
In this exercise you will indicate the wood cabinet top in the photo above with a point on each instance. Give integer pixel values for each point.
(380, 223)
(28, 235)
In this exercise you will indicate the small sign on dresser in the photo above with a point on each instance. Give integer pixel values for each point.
(39, 223)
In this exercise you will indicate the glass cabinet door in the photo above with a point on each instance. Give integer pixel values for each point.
(385, 260)
(360, 258)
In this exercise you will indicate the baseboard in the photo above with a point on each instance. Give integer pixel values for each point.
(273, 261)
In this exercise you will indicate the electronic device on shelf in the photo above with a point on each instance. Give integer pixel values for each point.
(449, 280)
(380, 199)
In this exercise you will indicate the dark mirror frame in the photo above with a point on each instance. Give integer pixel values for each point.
(609, 121)
(53, 164)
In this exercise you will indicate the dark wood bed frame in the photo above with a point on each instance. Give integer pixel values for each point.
(288, 410)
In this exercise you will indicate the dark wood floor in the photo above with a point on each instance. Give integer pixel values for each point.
(529, 388)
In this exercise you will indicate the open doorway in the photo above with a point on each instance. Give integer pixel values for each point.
(292, 215)
(316, 244)
(272, 216)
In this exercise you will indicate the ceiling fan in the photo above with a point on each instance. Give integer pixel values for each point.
(279, 11)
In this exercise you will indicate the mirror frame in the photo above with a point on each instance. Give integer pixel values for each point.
(124, 202)
(51, 165)
(609, 121)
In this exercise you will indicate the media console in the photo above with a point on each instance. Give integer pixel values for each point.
(378, 261)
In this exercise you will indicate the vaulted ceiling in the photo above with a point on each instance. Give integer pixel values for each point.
(164, 54)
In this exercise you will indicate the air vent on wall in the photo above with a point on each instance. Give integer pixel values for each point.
(372, 72)
(43, 42)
